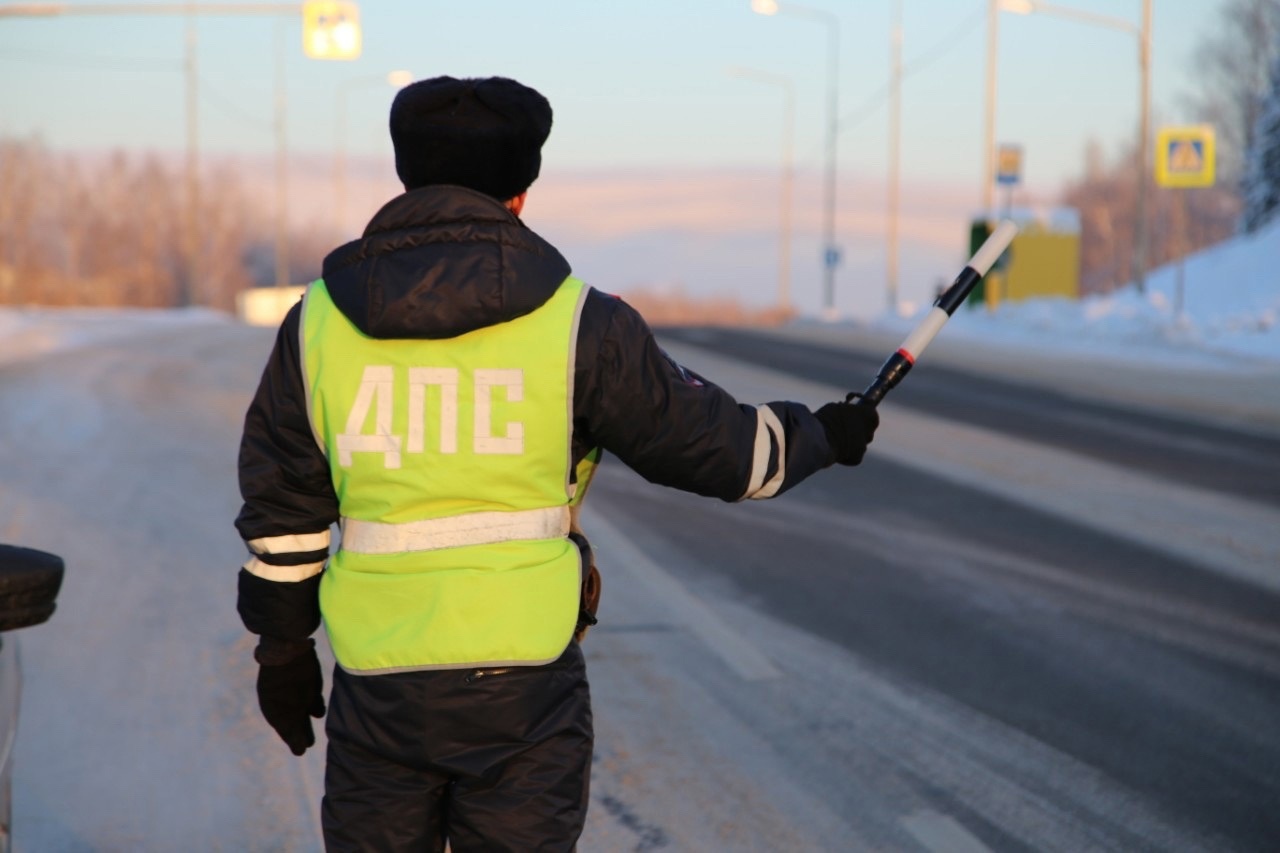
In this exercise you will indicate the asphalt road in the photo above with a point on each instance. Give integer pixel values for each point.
(905, 656)
(1172, 445)
(1156, 674)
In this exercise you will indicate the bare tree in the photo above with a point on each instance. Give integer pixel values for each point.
(1233, 62)
(106, 229)
(223, 232)
(1262, 167)
(19, 200)
(1179, 221)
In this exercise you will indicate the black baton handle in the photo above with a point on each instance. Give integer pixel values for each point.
(944, 306)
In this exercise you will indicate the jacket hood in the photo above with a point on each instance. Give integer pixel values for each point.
(441, 261)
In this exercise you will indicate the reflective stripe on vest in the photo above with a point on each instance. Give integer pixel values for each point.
(476, 528)
(451, 460)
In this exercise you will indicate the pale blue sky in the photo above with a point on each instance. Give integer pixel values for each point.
(633, 84)
(662, 168)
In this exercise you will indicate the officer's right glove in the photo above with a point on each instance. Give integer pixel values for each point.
(290, 689)
(849, 428)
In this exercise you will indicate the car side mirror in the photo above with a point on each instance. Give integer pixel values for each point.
(29, 584)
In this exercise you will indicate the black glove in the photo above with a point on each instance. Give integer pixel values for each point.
(290, 689)
(849, 428)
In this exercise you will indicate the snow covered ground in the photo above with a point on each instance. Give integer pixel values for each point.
(1230, 314)
(32, 332)
(1229, 318)
(1211, 346)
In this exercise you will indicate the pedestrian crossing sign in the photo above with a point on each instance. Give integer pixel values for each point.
(1185, 156)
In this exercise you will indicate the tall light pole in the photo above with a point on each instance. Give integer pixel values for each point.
(1144, 151)
(282, 165)
(895, 134)
(788, 175)
(830, 254)
(989, 121)
(190, 233)
(398, 79)
(1143, 34)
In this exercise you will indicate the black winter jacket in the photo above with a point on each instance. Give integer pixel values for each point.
(442, 261)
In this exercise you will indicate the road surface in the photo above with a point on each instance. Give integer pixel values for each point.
(987, 637)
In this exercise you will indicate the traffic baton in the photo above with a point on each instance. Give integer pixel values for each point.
(945, 305)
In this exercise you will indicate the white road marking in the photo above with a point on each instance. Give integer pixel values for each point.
(730, 646)
(942, 834)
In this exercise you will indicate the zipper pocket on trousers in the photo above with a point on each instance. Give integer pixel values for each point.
(476, 675)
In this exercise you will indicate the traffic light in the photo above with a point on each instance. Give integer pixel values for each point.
(331, 29)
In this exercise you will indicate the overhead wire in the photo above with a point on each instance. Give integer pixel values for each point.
(228, 107)
(940, 49)
(867, 108)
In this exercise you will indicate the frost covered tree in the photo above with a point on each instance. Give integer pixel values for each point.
(1261, 184)
(1232, 60)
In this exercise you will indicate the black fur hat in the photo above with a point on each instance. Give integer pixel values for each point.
(483, 133)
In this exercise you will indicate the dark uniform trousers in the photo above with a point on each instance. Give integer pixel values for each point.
(494, 759)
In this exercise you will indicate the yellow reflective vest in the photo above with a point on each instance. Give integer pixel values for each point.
(451, 460)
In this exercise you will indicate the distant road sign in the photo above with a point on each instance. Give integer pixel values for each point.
(1185, 156)
(1009, 164)
(331, 29)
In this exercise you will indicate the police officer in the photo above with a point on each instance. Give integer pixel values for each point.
(442, 394)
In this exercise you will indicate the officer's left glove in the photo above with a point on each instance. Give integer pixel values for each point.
(850, 427)
(290, 689)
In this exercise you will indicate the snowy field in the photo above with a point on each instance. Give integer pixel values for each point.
(1229, 318)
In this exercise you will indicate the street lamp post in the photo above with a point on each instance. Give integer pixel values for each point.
(282, 165)
(1143, 33)
(895, 133)
(788, 175)
(1144, 150)
(830, 255)
(989, 112)
(399, 79)
(190, 233)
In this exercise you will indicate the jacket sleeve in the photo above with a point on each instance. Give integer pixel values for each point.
(676, 428)
(289, 501)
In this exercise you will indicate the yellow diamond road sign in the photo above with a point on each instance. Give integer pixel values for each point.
(1185, 156)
